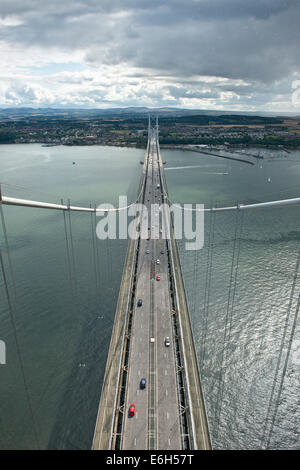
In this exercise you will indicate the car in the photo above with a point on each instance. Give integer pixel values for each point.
(148, 238)
(143, 383)
(162, 252)
(140, 303)
(157, 261)
(167, 341)
(147, 252)
(132, 409)
(158, 277)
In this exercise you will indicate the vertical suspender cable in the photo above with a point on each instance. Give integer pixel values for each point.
(72, 249)
(94, 255)
(7, 245)
(287, 321)
(19, 353)
(284, 369)
(229, 314)
(208, 281)
(195, 280)
(97, 254)
(68, 253)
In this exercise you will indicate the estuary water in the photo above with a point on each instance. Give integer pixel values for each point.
(242, 291)
(63, 317)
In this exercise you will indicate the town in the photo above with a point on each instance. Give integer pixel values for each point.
(117, 128)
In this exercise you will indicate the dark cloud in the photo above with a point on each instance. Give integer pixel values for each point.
(240, 39)
(254, 41)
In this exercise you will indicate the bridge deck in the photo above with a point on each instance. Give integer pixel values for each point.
(164, 412)
(152, 360)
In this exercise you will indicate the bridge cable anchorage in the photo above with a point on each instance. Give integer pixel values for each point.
(18, 347)
(229, 314)
(267, 438)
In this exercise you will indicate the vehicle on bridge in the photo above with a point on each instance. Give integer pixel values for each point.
(143, 383)
(132, 409)
(158, 277)
(167, 341)
(140, 303)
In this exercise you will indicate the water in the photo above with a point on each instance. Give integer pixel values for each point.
(238, 315)
(243, 316)
(64, 333)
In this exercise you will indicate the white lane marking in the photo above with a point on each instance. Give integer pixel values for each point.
(167, 393)
(168, 415)
(135, 441)
(166, 372)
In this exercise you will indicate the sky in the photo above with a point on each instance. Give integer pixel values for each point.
(239, 55)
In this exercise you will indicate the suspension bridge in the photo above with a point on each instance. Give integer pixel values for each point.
(170, 412)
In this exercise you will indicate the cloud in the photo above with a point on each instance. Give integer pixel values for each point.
(191, 53)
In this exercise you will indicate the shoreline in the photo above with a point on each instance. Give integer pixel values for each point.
(163, 146)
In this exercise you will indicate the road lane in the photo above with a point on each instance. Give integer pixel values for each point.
(165, 422)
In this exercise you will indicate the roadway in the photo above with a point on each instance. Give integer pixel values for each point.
(156, 423)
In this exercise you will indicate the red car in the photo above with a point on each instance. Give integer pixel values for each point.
(158, 277)
(148, 238)
(132, 409)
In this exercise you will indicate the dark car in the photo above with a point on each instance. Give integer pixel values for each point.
(140, 303)
(143, 383)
